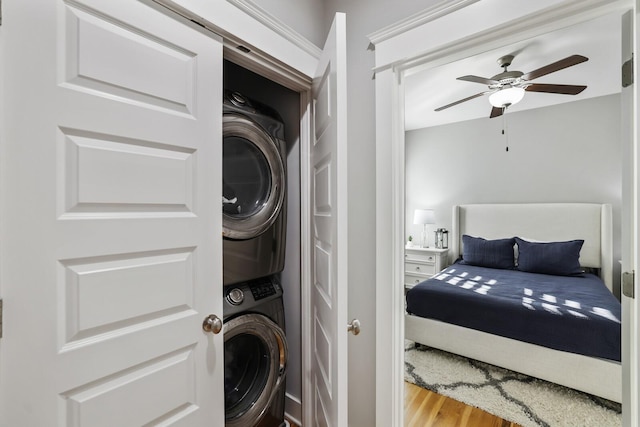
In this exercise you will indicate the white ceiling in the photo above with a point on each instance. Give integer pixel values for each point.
(598, 40)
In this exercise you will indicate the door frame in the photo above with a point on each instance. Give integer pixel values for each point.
(261, 44)
(393, 63)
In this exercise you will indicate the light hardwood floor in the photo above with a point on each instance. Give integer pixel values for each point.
(423, 408)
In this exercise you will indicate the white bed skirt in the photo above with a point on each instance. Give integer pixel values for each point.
(591, 375)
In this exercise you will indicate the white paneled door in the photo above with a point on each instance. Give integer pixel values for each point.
(110, 241)
(328, 168)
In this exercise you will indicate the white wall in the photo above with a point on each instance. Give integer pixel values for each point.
(566, 153)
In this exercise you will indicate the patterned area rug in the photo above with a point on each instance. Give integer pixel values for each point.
(512, 396)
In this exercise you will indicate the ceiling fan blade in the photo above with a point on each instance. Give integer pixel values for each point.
(561, 89)
(496, 112)
(460, 101)
(556, 66)
(478, 79)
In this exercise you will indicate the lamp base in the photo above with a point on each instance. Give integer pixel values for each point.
(424, 243)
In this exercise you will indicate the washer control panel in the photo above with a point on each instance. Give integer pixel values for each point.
(262, 290)
(247, 296)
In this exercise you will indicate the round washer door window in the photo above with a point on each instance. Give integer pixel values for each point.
(253, 178)
(255, 357)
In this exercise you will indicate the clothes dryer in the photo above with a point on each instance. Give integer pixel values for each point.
(254, 189)
(255, 354)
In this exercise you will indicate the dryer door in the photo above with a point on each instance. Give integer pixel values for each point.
(253, 178)
(255, 358)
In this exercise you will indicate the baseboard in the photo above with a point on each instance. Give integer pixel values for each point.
(293, 409)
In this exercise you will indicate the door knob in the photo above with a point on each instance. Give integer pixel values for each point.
(212, 323)
(354, 327)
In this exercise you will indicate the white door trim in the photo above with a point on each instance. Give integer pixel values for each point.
(389, 246)
(392, 63)
(305, 253)
(407, 50)
(252, 9)
(270, 49)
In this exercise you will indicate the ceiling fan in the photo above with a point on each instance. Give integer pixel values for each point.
(508, 87)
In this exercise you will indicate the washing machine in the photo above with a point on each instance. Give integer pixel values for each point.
(255, 354)
(254, 189)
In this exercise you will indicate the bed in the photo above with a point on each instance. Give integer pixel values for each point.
(583, 358)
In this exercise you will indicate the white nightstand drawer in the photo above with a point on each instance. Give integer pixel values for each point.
(420, 268)
(422, 257)
(422, 263)
(411, 280)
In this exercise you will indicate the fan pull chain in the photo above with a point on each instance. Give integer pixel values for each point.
(504, 128)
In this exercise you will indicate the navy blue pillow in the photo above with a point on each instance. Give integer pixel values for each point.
(557, 258)
(488, 253)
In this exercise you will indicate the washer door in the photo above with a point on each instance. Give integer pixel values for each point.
(255, 358)
(253, 177)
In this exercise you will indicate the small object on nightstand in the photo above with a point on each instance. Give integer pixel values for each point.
(422, 263)
(442, 238)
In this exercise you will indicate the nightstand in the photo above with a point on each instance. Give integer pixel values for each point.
(422, 263)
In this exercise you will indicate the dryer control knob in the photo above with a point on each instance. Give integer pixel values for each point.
(237, 99)
(235, 296)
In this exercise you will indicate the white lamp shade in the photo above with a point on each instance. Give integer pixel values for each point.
(506, 97)
(424, 216)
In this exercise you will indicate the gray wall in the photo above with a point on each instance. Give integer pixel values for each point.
(306, 17)
(566, 153)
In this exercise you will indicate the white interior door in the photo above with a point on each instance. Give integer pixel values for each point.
(111, 222)
(328, 181)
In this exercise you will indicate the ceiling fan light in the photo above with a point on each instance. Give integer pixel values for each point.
(506, 97)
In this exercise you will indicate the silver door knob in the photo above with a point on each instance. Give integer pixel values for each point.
(354, 327)
(212, 323)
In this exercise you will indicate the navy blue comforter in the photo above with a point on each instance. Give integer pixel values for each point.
(577, 314)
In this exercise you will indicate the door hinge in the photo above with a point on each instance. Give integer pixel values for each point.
(627, 73)
(628, 288)
(0, 318)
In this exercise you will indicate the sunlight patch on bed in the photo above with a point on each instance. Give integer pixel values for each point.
(573, 304)
(454, 281)
(578, 314)
(553, 309)
(484, 289)
(549, 298)
(607, 314)
(469, 284)
(528, 302)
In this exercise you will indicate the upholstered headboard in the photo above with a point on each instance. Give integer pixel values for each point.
(544, 222)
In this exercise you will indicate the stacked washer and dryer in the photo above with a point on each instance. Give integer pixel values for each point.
(254, 233)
